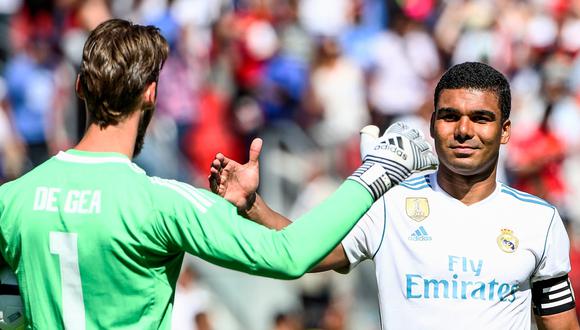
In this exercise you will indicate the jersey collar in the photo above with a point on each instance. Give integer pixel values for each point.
(78, 156)
(486, 200)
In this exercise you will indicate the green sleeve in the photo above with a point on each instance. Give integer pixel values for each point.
(215, 232)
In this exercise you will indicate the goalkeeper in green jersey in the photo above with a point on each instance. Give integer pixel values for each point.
(98, 244)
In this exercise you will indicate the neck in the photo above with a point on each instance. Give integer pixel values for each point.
(468, 189)
(118, 138)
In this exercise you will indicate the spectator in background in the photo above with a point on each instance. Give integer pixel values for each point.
(295, 41)
(334, 317)
(354, 40)
(324, 17)
(4, 139)
(214, 130)
(565, 123)
(285, 75)
(192, 301)
(287, 321)
(405, 62)
(36, 78)
(7, 8)
(536, 153)
(337, 101)
(535, 160)
(480, 39)
(182, 76)
(12, 153)
(256, 42)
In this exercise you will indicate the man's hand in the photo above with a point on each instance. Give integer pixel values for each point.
(236, 182)
(390, 159)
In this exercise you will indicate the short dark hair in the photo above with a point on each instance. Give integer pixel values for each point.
(477, 76)
(119, 60)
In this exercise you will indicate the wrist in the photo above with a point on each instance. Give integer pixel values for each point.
(250, 201)
(374, 178)
(249, 206)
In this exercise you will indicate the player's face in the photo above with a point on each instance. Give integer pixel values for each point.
(468, 131)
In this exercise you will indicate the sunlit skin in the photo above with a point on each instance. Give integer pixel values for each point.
(468, 130)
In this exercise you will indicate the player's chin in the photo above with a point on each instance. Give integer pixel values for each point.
(466, 166)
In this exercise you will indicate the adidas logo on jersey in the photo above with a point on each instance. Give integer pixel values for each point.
(420, 235)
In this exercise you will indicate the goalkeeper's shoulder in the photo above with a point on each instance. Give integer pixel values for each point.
(170, 196)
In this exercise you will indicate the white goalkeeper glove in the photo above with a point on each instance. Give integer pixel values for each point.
(393, 157)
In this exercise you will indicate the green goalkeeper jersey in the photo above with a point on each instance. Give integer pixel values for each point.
(98, 244)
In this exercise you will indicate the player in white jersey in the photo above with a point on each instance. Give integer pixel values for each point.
(454, 249)
(439, 259)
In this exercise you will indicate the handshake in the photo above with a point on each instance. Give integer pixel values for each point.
(387, 161)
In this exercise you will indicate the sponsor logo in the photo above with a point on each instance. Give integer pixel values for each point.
(465, 280)
(417, 208)
(507, 241)
(420, 235)
(454, 287)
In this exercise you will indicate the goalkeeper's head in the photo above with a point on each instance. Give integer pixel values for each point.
(121, 63)
(477, 76)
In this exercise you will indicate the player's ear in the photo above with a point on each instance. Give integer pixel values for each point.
(432, 124)
(150, 94)
(78, 88)
(505, 131)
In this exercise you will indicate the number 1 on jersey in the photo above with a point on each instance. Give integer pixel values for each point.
(73, 309)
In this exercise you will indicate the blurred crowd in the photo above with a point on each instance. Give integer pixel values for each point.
(305, 75)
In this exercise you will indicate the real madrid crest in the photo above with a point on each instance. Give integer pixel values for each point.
(417, 208)
(507, 241)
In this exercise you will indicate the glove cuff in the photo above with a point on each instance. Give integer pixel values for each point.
(373, 177)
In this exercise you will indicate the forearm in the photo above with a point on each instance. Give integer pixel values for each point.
(561, 321)
(313, 236)
(261, 213)
(336, 260)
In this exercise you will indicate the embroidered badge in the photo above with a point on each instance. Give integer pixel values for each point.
(417, 208)
(507, 241)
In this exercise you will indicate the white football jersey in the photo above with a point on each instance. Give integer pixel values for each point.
(441, 264)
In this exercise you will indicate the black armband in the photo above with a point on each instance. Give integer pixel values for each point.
(552, 296)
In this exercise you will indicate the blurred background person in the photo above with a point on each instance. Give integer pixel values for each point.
(192, 301)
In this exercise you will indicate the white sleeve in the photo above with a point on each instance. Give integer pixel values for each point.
(365, 238)
(555, 261)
